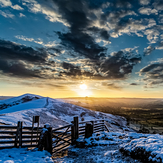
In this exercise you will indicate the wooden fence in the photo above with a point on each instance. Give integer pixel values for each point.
(53, 140)
(19, 136)
(68, 135)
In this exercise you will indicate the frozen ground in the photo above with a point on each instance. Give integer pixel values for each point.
(97, 154)
(109, 147)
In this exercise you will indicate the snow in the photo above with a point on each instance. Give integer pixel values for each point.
(106, 147)
(101, 147)
(40, 103)
(11, 100)
(151, 146)
(17, 155)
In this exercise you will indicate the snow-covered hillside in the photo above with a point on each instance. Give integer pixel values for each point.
(52, 111)
(17, 100)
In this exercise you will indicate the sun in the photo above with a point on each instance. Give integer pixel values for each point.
(83, 86)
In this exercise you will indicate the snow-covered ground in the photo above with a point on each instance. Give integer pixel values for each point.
(104, 147)
(23, 155)
(118, 147)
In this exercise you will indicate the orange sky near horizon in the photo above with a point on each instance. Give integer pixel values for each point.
(16, 90)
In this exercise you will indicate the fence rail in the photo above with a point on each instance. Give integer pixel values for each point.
(18, 136)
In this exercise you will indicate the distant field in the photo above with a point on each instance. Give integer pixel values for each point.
(140, 113)
(5, 97)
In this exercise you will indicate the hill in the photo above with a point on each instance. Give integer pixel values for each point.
(56, 112)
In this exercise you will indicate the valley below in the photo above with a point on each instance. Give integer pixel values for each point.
(143, 115)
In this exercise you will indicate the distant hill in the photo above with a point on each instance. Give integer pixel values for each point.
(116, 102)
(5, 97)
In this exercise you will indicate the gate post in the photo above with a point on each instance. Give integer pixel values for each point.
(75, 130)
(88, 130)
(48, 139)
(17, 135)
(72, 134)
(76, 126)
(20, 124)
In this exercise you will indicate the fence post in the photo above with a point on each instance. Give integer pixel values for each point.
(75, 130)
(88, 130)
(36, 119)
(20, 133)
(76, 127)
(17, 135)
(72, 134)
(48, 139)
(103, 125)
(92, 125)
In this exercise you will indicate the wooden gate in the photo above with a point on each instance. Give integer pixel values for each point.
(61, 138)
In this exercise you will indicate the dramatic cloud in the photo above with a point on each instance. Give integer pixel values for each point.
(119, 64)
(21, 61)
(95, 40)
(79, 38)
(134, 84)
(153, 73)
(18, 69)
(149, 50)
(112, 86)
(12, 51)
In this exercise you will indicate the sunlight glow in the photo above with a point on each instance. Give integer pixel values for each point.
(83, 86)
(84, 93)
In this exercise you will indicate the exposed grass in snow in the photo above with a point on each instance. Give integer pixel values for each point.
(117, 147)
(146, 149)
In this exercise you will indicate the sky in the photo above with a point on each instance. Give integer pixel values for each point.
(52, 47)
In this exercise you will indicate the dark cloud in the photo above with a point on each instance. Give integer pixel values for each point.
(75, 13)
(119, 65)
(22, 61)
(153, 73)
(102, 32)
(76, 72)
(18, 69)
(112, 86)
(134, 84)
(151, 67)
(12, 51)
(81, 43)
(80, 16)
(149, 50)
(158, 4)
(116, 66)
